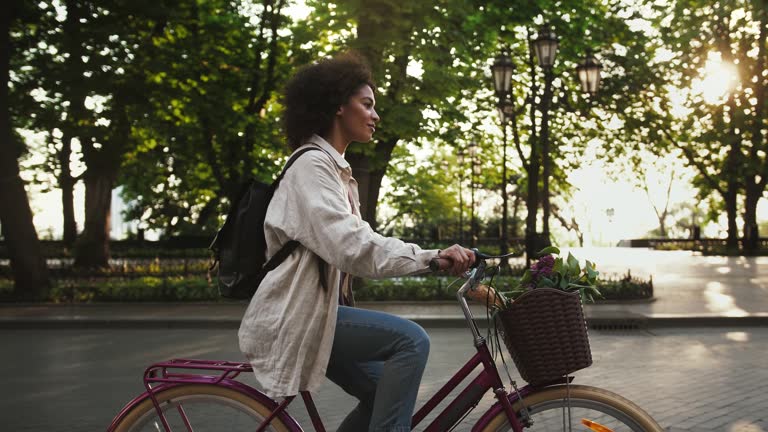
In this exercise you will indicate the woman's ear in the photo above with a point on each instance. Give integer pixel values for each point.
(340, 111)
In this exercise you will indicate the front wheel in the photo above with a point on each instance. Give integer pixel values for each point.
(549, 410)
(200, 408)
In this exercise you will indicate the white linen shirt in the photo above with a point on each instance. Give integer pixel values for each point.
(287, 330)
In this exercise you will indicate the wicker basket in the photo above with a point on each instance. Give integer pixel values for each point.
(546, 334)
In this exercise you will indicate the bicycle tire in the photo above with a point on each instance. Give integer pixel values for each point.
(548, 406)
(207, 407)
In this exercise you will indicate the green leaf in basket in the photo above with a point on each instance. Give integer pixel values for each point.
(573, 264)
(526, 277)
(594, 291)
(592, 274)
(545, 282)
(548, 250)
(558, 266)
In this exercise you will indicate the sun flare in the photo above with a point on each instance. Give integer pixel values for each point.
(718, 79)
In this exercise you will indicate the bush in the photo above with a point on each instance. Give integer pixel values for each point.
(197, 288)
(626, 287)
(441, 288)
(143, 289)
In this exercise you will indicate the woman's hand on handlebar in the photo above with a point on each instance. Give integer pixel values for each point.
(456, 259)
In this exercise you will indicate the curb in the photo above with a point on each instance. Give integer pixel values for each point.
(116, 324)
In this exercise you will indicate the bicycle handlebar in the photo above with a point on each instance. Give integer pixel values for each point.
(443, 264)
(440, 264)
(473, 277)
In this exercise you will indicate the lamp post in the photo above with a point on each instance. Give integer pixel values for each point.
(475, 169)
(545, 46)
(502, 70)
(460, 160)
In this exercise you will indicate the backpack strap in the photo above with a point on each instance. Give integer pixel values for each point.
(291, 245)
(281, 255)
(289, 163)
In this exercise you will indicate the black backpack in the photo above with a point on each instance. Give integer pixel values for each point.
(239, 248)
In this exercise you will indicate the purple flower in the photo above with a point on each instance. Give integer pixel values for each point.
(543, 267)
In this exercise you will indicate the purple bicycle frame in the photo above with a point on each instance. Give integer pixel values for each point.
(160, 377)
(163, 377)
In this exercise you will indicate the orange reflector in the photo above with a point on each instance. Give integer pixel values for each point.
(597, 427)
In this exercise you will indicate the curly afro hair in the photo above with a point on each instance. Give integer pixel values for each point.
(313, 96)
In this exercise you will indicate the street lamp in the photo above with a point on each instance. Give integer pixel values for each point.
(546, 45)
(502, 70)
(589, 74)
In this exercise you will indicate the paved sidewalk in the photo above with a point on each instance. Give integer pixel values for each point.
(689, 290)
(696, 379)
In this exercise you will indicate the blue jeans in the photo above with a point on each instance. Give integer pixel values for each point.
(379, 359)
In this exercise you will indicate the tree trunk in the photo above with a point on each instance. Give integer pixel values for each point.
(369, 173)
(733, 176)
(732, 241)
(30, 273)
(92, 249)
(67, 185)
(735, 158)
(515, 210)
(75, 92)
(207, 212)
(751, 231)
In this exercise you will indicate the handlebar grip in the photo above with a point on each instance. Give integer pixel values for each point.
(437, 264)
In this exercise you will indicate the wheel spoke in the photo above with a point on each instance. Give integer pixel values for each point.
(200, 408)
(600, 410)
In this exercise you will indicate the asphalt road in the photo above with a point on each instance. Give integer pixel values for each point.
(693, 379)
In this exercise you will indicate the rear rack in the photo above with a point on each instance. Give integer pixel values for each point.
(215, 372)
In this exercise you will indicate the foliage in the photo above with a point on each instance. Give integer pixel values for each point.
(143, 289)
(212, 114)
(626, 287)
(566, 274)
(550, 271)
(427, 59)
(719, 135)
(419, 197)
(197, 288)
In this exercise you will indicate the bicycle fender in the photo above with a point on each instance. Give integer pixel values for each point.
(228, 383)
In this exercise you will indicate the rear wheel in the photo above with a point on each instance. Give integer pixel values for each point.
(549, 410)
(200, 408)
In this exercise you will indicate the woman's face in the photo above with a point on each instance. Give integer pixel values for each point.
(357, 118)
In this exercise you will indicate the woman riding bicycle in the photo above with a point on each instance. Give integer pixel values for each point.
(301, 325)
